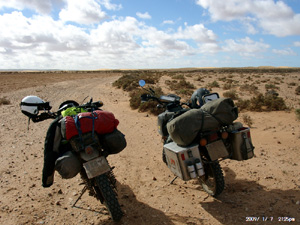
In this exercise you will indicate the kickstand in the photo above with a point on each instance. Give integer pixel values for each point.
(173, 180)
(82, 192)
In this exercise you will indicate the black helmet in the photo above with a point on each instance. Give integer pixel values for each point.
(196, 98)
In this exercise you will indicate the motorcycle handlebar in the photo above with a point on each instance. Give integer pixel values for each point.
(52, 115)
(44, 116)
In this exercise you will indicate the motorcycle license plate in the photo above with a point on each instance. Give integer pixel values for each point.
(96, 167)
(216, 150)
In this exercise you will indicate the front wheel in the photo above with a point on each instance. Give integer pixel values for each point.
(213, 180)
(109, 197)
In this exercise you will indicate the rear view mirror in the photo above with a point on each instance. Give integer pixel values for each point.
(210, 97)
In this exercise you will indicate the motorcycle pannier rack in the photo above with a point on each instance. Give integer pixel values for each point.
(180, 158)
(242, 148)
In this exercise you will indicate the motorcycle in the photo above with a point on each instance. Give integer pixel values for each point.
(201, 158)
(89, 150)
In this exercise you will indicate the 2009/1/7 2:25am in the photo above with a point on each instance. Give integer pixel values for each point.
(271, 218)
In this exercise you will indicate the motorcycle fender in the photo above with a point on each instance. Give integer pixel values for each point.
(96, 167)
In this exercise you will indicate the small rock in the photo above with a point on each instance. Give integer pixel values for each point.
(154, 178)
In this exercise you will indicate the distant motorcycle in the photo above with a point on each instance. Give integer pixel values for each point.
(91, 135)
(199, 159)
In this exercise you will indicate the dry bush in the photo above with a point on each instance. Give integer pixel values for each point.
(249, 87)
(130, 82)
(182, 87)
(227, 86)
(4, 101)
(178, 77)
(297, 112)
(247, 120)
(213, 84)
(262, 102)
(150, 106)
(231, 94)
(271, 87)
(297, 91)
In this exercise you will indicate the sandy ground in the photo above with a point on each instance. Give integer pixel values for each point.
(265, 186)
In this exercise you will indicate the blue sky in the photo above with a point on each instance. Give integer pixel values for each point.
(131, 34)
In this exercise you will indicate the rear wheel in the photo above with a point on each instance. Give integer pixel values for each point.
(213, 180)
(109, 197)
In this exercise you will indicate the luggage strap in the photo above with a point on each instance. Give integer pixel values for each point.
(77, 124)
(247, 145)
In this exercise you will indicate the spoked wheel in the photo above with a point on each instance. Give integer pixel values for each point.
(109, 197)
(213, 180)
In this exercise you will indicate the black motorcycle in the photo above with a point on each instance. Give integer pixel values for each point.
(200, 158)
(88, 151)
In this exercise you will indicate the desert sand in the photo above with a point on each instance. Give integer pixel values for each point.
(265, 187)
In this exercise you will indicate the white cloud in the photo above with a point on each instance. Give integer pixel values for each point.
(110, 6)
(168, 22)
(245, 46)
(196, 32)
(87, 12)
(286, 51)
(145, 15)
(42, 42)
(297, 43)
(275, 18)
(41, 7)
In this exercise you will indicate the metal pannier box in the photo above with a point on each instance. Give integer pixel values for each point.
(178, 158)
(242, 148)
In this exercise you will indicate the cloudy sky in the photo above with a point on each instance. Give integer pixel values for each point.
(136, 34)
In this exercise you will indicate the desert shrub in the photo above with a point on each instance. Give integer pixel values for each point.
(231, 94)
(297, 112)
(213, 84)
(227, 86)
(274, 103)
(256, 103)
(182, 87)
(249, 87)
(247, 120)
(199, 78)
(297, 91)
(243, 104)
(271, 86)
(130, 82)
(178, 77)
(262, 103)
(4, 101)
(292, 84)
(222, 79)
(150, 106)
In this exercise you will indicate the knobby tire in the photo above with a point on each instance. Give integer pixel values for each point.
(215, 173)
(109, 196)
